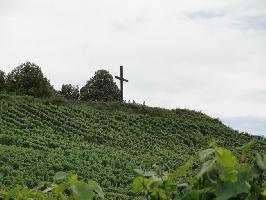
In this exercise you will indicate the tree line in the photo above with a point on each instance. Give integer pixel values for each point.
(28, 79)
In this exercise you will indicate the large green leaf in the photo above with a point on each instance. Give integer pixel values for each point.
(207, 166)
(60, 176)
(229, 174)
(158, 193)
(225, 158)
(182, 170)
(261, 162)
(227, 190)
(245, 148)
(82, 191)
(204, 154)
(61, 188)
(213, 175)
(94, 185)
(138, 184)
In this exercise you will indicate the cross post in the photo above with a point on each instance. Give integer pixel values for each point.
(122, 80)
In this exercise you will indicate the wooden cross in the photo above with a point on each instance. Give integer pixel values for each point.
(122, 80)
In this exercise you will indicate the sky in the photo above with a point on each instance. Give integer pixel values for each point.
(207, 55)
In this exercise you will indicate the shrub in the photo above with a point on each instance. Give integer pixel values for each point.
(221, 177)
(65, 186)
(70, 91)
(101, 87)
(28, 79)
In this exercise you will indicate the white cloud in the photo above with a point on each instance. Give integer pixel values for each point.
(206, 55)
(255, 126)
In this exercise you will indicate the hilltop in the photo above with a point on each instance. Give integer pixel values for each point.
(103, 141)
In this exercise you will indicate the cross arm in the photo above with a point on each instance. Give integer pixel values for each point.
(121, 79)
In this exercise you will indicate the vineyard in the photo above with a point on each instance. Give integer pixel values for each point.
(103, 142)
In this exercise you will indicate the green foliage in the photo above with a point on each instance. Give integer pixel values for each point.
(221, 178)
(2, 80)
(64, 186)
(102, 141)
(28, 79)
(55, 100)
(70, 91)
(101, 87)
(214, 181)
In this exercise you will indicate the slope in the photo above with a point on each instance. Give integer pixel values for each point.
(100, 140)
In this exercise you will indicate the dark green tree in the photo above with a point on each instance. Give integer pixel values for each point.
(101, 87)
(70, 91)
(28, 79)
(2, 80)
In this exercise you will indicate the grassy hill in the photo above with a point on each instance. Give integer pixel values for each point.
(103, 141)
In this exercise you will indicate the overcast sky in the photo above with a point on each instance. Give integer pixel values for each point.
(206, 55)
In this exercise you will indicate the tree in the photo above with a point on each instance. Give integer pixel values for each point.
(2, 80)
(70, 91)
(28, 79)
(101, 87)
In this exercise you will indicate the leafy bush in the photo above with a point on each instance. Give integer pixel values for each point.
(65, 186)
(28, 79)
(221, 177)
(101, 87)
(70, 91)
